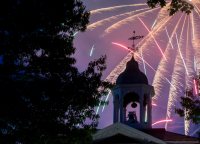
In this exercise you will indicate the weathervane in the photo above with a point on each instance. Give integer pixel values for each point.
(134, 37)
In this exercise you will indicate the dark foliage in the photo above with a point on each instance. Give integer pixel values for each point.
(190, 107)
(175, 5)
(44, 99)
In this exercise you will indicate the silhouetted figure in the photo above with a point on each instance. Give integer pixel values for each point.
(132, 117)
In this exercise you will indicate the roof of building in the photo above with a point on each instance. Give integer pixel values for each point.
(161, 133)
(128, 134)
(121, 133)
(132, 74)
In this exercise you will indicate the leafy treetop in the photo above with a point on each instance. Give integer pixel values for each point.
(44, 98)
(175, 5)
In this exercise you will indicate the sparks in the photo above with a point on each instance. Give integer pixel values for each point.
(97, 110)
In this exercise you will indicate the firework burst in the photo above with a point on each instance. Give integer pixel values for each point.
(166, 53)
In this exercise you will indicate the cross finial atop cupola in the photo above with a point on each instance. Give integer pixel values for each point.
(133, 38)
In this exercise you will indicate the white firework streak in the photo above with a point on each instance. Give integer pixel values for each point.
(196, 9)
(161, 14)
(110, 19)
(162, 67)
(196, 38)
(192, 21)
(195, 132)
(145, 71)
(96, 11)
(177, 76)
(189, 63)
(125, 21)
(106, 100)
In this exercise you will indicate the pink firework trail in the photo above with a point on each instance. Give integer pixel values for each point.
(153, 39)
(153, 104)
(195, 87)
(120, 45)
(162, 121)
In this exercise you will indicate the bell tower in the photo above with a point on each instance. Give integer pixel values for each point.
(132, 90)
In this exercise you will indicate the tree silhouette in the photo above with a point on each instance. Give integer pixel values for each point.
(44, 98)
(175, 5)
(190, 107)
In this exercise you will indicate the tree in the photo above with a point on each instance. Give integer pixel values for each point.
(44, 98)
(175, 5)
(190, 107)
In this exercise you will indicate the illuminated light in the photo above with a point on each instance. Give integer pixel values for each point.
(195, 132)
(162, 121)
(154, 24)
(195, 87)
(153, 104)
(97, 111)
(75, 34)
(170, 83)
(145, 119)
(181, 56)
(120, 45)
(91, 51)
(106, 100)
(153, 39)
(195, 66)
(169, 38)
(192, 17)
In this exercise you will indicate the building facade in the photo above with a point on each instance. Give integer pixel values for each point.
(135, 126)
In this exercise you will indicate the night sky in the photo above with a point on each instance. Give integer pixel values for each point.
(168, 54)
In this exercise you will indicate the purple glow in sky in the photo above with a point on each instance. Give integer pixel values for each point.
(169, 47)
